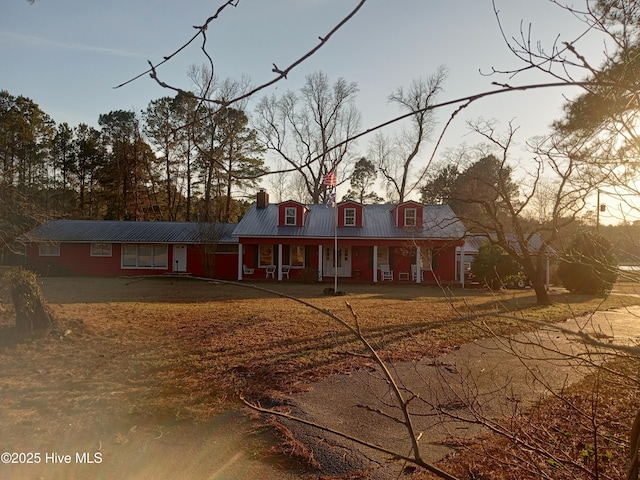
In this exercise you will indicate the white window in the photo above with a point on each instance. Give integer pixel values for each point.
(265, 256)
(49, 249)
(222, 248)
(426, 260)
(101, 250)
(290, 216)
(296, 255)
(349, 216)
(383, 255)
(145, 256)
(410, 217)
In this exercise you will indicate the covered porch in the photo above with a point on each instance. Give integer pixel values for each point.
(354, 259)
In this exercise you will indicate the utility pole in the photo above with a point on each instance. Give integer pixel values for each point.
(598, 212)
(600, 208)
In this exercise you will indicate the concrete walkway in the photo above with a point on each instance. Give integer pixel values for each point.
(490, 377)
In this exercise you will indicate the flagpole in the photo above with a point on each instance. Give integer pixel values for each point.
(329, 180)
(335, 243)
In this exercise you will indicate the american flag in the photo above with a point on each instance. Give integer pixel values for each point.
(331, 200)
(329, 179)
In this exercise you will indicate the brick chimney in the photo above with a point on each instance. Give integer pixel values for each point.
(262, 199)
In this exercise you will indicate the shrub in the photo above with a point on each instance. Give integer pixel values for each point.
(310, 275)
(493, 266)
(589, 265)
(28, 302)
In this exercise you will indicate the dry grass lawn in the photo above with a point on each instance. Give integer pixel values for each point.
(133, 355)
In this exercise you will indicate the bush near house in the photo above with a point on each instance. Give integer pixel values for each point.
(493, 266)
(589, 265)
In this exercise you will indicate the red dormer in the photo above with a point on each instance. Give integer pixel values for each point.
(350, 214)
(408, 214)
(291, 214)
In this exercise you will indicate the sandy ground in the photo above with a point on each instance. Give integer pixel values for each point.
(226, 448)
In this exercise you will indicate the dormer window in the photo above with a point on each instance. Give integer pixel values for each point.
(290, 216)
(349, 217)
(410, 217)
(350, 214)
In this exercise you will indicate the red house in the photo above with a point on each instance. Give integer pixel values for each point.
(406, 242)
(93, 247)
(289, 240)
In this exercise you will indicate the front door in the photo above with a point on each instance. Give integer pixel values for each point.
(343, 260)
(179, 258)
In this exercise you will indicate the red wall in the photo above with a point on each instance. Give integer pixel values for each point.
(361, 257)
(76, 259)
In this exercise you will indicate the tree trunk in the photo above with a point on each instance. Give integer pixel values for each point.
(542, 296)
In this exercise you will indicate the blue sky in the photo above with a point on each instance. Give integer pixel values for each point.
(67, 55)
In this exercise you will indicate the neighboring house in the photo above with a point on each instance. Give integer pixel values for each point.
(289, 240)
(94, 247)
(300, 239)
(472, 244)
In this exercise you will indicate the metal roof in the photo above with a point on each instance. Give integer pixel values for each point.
(439, 222)
(473, 243)
(97, 231)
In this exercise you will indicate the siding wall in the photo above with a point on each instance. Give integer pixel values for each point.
(76, 259)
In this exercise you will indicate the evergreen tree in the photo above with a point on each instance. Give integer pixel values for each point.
(589, 265)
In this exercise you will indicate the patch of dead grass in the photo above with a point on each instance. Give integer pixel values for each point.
(156, 352)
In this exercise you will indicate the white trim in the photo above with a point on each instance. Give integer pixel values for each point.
(338, 262)
(287, 216)
(94, 254)
(383, 255)
(270, 262)
(462, 266)
(375, 264)
(176, 264)
(291, 247)
(355, 216)
(415, 217)
(137, 256)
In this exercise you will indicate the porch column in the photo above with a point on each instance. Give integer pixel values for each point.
(279, 262)
(462, 265)
(239, 261)
(320, 262)
(548, 262)
(418, 268)
(375, 263)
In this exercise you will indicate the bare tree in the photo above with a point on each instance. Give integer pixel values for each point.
(490, 201)
(301, 128)
(397, 163)
(603, 120)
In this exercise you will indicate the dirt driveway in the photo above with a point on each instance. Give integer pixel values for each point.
(487, 375)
